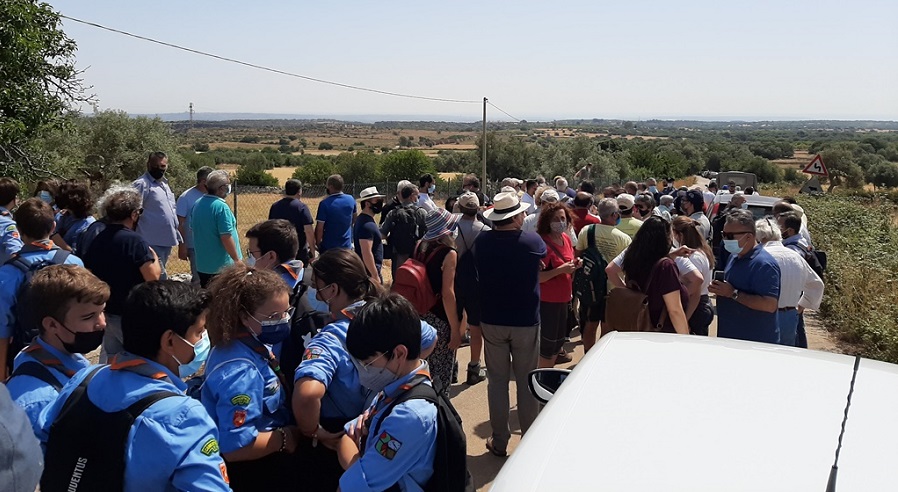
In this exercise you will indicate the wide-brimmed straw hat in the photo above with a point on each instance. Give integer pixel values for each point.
(440, 222)
(369, 193)
(505, 205)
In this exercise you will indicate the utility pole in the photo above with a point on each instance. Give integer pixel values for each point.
(191, 116)
(483, 177)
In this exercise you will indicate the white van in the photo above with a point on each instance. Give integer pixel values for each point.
(665, 412)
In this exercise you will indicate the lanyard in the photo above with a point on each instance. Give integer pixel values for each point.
(47, 359)
(260, 348)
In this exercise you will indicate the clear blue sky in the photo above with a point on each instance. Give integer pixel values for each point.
(762, 59)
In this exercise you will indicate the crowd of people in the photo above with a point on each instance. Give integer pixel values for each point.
(292, 361)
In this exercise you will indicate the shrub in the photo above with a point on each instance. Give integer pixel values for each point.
(325, 146)
(255, 175)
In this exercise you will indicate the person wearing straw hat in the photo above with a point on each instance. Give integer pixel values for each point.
(366, 235)
(508, 264)
(436, 251)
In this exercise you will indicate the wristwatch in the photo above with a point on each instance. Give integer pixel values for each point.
(735, 294)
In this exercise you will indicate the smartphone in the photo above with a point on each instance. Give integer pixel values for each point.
(719, 276)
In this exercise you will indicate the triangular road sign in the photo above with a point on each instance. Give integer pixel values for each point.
(812, 186)
(816, 167)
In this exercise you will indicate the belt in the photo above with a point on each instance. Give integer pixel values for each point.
(786, 309)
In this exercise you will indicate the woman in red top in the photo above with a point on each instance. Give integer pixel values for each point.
(555, 288)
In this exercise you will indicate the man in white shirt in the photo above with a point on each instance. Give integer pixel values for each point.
(544, 197)
(426, 187)
(800, 287)
(710, 193)
(529, 196)
(692, 204)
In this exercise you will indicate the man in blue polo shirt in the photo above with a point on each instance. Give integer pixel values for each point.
(336, 213)
(747, 299)
(214, 229)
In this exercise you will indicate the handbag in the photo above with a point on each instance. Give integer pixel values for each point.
(627, 308)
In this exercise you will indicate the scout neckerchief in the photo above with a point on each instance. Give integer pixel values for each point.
(138, 366)
(42, 355)
(418, 378)
(258, 347)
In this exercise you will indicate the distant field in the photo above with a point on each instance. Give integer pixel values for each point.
(798, 160)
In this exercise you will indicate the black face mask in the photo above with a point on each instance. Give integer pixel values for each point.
(85, 342)
(377, 207)
(157, 173)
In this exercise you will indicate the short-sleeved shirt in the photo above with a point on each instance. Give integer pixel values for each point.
(756, 273)
(159, 220)
(610, 241)
(666, 279)
(560, 287)
(11, 278)
(183, 208)
(10, 241)
(171, 446)
(404, 448)
(703, 265)
(583, 218)
(71, 228)
(115, 257)
(508, 265)
(211, 219)
(629, 225)
(33, 394)
(336, 212)
(243, 395)
(468, 230)
(704, 225)
(366, 228)
(295, 211)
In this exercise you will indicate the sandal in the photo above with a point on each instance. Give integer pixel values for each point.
(563, 358)
(493, 450)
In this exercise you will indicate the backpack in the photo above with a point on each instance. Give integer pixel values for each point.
(89, 234)
(450, 467)
(466, 270)
(412, 283)
(815, 259)
(38, 371)
(406, 231)
(74, 453)
(591, 281)
(307, 324)
(24, 328)
(627, 308)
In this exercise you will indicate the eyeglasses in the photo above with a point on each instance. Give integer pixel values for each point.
(732, 235)
(250, 252)
(276, 316)
(139, 211)
(642, 210)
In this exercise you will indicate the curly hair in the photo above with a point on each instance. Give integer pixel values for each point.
(547, 215)
(75, 197)
(239, 288)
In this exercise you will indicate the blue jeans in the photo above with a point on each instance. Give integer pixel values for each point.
(163, 252)
(194, 276)
(788, 321)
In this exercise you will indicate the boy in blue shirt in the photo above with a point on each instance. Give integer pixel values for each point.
(384, 338)
(172, 443)
(67, 303)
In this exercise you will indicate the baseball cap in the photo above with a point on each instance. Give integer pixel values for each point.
(625, 200)
(468, 200)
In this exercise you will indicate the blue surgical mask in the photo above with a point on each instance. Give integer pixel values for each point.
(732, 245)
(432, 189)
(200, 354)
(315, 303)
(653, 189)
(617, 222)
(273, 331)
(229, 190)
(250, 260)
(745, 206)
(46, 196)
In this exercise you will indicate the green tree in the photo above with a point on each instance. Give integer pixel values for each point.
(843, 170)
(325, 146)
(315, 171)
(360, 168)
(407, 164)
(38, 82)
(255, 175)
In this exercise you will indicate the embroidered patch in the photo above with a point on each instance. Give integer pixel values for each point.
(15, 235)
(210, 447)
(387, 445)
(10, 228)
(224, 472)
(312, 353)
(241, 400)
(272, 387)
(239, 417)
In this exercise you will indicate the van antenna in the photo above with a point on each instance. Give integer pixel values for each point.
(833, 473)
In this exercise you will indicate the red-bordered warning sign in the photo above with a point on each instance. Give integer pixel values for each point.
(816, 167)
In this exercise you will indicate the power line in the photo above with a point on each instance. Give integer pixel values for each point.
(274, 70)
(502, 110)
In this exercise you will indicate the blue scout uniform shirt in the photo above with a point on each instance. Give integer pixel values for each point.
(10, 242)
(11, 279)
(404, 448)
(32, 394)
(326, 360)
(172, 445)
(243, 395)
(756, 273)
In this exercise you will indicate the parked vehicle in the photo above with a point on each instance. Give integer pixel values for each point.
(655, 411)
(759, 205)
(741, 179)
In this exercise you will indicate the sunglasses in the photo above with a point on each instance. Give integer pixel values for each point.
(732, 235)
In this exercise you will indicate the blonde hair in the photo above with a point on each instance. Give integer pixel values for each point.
(239, 288)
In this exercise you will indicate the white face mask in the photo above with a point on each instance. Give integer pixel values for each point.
(675, 243)
(250, 260)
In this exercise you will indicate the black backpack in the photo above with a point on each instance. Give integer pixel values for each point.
(450, 466)
(591, 281)
(305, 322)
(406, 230)
(25, 328)
(76, 456)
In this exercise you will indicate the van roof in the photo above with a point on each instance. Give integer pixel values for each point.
(654, 411)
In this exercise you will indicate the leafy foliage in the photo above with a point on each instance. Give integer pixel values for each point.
(255, 175)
